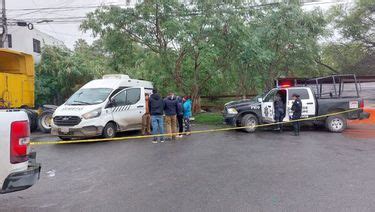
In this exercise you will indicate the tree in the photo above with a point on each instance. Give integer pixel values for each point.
(358, 24)
(167, 29)
(284, 39)
(48, 81)
(62, 71)
(193, 49)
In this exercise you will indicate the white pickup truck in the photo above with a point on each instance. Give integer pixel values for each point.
(18, 167)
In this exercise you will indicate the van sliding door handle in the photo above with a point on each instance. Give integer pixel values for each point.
(310, 103)
(140, 106)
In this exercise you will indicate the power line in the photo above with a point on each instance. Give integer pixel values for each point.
(79, 19)
(70, 7)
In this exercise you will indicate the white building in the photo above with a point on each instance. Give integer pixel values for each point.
(29, 41)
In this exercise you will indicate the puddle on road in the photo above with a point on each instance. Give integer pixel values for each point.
(51, 173)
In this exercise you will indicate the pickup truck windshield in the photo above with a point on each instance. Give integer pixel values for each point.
(89, 96)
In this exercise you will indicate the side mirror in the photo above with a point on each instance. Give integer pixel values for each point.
(111, 103)
(260, 99)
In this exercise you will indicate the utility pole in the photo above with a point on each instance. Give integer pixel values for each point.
(4, 26)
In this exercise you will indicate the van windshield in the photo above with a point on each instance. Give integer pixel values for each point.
(89, 96)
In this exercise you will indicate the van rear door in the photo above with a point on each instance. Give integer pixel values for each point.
(129, 107)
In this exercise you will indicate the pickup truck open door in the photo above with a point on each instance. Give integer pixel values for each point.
(268, 108)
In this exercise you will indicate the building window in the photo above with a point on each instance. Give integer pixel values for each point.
(9, 39)
(36, 45)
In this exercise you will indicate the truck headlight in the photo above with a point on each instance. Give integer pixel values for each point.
(92, 114)
(232, 111)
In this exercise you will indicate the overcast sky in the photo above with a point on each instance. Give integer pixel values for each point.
(69, 33)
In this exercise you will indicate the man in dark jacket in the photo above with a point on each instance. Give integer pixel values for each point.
(156, 107)
(180, 117)
(170, 110)
(297, 112)
(279, 111)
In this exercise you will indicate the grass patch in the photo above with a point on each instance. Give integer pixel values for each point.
(209, 118)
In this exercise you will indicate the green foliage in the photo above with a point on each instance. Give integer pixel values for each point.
(356, 51)
(61, 71)
(209, 48)
(358, 24)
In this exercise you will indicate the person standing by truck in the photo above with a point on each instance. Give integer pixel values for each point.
(146, 118)
(187, 114)
(297, 111)
(156, 106)
(170, 110)
(180, 117)
(279, 112)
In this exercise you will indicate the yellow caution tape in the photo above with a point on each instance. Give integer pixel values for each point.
(184, 133)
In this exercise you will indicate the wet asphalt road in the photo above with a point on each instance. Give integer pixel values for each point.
(225, 171)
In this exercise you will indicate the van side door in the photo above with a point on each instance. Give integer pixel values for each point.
(129, 107)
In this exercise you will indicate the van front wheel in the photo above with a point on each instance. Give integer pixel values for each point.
(109, 130)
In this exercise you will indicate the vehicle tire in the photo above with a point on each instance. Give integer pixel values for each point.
(65, 138)
(44, 121)
(251, 121)
(336, 124)
(109, 130)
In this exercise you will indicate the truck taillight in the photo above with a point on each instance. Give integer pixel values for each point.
(362, 104)
(19, 141)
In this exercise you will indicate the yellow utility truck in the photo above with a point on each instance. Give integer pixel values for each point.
(17, 77)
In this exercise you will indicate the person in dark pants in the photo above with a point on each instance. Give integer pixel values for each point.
(297, 112)
(156, 107)
(180, 117)
(187, 114)
(146, 118)
(170, 110)
(279, 111)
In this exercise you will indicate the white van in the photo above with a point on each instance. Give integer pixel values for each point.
(102, 107)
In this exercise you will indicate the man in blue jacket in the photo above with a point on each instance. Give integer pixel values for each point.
(156, 107)
(170, 110)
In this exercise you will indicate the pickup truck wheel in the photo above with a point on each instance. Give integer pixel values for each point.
(109, 130)
(336, 124)
(249, 120)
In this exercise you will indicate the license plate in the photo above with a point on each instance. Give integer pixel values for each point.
(64, 130)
